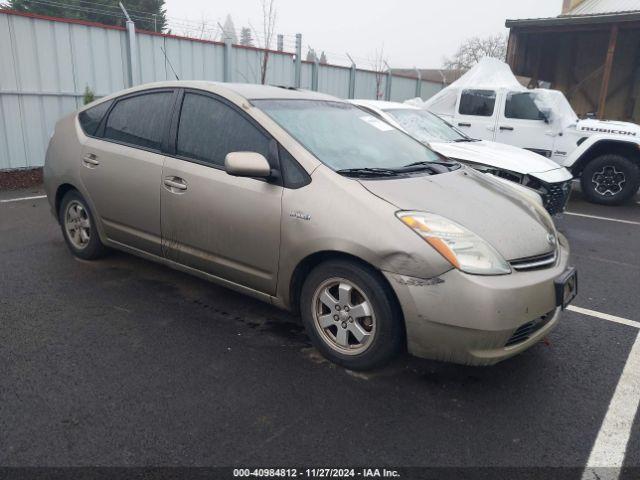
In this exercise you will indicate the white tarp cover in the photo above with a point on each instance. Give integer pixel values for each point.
(493, 74)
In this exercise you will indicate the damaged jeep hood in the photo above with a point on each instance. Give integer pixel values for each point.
(509, 221)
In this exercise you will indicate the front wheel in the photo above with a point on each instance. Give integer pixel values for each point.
(351, 315)
(610, 179)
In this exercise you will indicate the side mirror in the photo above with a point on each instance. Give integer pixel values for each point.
(247, 164)
(546, 115)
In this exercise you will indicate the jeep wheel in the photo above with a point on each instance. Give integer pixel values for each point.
(610, 179)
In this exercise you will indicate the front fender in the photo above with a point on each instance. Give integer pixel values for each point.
(575, 161)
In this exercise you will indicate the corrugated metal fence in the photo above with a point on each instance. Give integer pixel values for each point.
(46, 64)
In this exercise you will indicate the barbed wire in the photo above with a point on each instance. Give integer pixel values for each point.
(207, 29)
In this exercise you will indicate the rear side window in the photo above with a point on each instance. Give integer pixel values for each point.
(522, 106)
(209, 129)
(139, 120)
(477, 102)
(91, 117)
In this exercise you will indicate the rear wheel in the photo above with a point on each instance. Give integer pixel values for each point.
(78, 227)
(610, 179)
(350, 315)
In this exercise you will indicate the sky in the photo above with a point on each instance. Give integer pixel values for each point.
(412, 33)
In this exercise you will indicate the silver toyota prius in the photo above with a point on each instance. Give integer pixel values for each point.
(307, 202)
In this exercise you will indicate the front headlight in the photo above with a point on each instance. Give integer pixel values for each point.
(462, 248)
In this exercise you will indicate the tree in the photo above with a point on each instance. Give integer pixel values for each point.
(475, 48)
(311, 55)
(229, 31)
(379, 66)
(246, 37)
(323, 58)
(88, 96)
(269, 16)
(147, 14)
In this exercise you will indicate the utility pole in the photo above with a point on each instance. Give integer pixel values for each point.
(352, 78)
(418, 83)
(132, 50)
(228, 40)
(387, 90)
(298, 64)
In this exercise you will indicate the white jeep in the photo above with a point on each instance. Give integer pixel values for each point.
(489, 103)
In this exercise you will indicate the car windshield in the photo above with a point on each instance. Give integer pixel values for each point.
(425, 126)
(343, 137)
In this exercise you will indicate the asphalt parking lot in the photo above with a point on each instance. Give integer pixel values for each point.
(127, 363)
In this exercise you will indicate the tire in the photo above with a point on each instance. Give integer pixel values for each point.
(76, 216)
(610, 179)
(371, 309)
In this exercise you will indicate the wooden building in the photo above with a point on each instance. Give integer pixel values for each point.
(591, 52)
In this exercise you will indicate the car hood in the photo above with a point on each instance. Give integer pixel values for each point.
(608, 127)
(513, 224)
(497, 155)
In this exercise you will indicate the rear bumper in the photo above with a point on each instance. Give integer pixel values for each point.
(478, 320)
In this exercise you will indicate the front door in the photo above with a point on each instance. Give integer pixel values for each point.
(521, 123)
(475, 114)
(122, 167)
(217, 223)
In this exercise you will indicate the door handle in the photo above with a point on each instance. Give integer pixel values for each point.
(464, 124)
(90, 159)
(175, 183)
(506, 128)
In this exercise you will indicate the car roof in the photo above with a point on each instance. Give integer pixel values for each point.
(252, 91)
(234, 91)
(383, 104)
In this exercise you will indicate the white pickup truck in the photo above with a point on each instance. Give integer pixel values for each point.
(488, 103)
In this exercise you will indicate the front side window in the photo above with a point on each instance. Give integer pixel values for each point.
(342, 136)
(209, 129)
(522, 106)
(139, 120)
(425, 126)
(477, 102)
(91, 117)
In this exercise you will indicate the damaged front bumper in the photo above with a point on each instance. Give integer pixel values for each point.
(479, 320)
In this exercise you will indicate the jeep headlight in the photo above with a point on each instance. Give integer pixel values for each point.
(464, 249)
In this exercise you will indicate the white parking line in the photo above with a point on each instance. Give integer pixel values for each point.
(22, 199)
(605, 316)
(608, 452)
(630, 222)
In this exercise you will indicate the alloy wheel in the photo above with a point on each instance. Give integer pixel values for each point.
(77, 224)
(609, 181)
(344, 316)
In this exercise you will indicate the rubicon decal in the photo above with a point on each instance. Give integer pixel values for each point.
(608, 130)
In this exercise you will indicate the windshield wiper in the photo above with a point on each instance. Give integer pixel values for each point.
(468, 139)
(368, 171)
(429, 165)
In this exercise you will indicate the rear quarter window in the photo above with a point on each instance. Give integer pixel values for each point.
(90, 119)
(139, 120)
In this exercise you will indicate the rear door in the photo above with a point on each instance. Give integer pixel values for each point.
(220, 224)
(476, 113)
(522, 124)
(122, 168)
